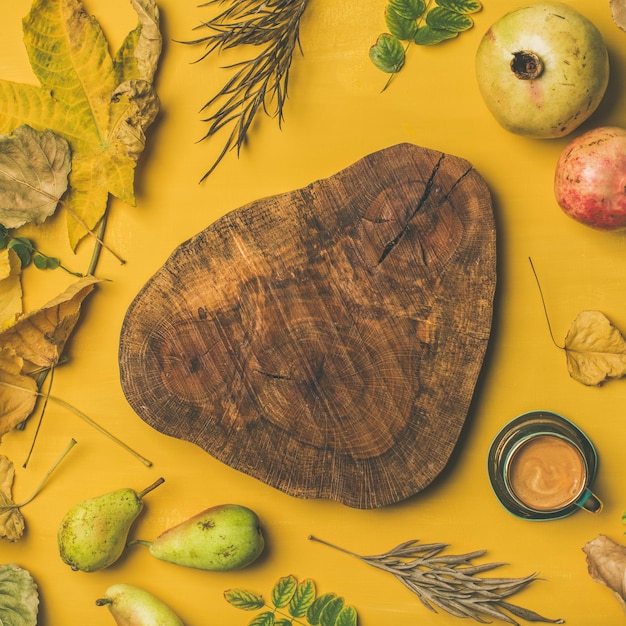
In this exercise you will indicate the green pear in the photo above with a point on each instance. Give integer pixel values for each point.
(132, 606)
(221, 538)
(93, 533)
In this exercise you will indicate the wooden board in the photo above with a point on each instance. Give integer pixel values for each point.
(327, 340)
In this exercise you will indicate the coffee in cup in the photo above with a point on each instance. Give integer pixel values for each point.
(541, 466)
(546, 472)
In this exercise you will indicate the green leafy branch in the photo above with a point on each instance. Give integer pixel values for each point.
(294, 602)
(28, 253)
(420, 22)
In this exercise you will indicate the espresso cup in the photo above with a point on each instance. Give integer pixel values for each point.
(541, 467)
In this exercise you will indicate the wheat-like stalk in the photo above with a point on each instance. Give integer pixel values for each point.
(450, 582)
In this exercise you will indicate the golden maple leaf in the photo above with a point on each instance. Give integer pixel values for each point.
(100, 104)
(595, 349)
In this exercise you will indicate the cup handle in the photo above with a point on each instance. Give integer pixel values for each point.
(590, 502)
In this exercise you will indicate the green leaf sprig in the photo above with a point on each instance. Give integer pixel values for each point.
(421, 22)
(28, 253)
(294, 602)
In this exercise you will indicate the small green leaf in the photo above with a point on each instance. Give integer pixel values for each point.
(347, 617)
(387, 54)
(445, 19)
(53, 263)
(23, 248)
(303, 598)
(409, 9)
(315, 610)
(40, 262)
(330, 613)
(283, 622)
(246, 600)
(427, 36)
(400, 27)
(283, 591)
(263, 619)
(461, 6)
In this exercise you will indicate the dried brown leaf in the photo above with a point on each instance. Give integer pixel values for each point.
(34, 169)
(606, 562)
(11, 520)
(40, 336)
(596, 350)
(33, 343)
(18, 392)
(618, 11)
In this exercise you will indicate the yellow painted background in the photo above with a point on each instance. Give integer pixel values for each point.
(335, 114)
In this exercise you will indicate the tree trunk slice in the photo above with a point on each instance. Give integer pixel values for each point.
(326, 341)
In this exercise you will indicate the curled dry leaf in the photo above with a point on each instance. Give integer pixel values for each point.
(596, 350)
(33, 343)
(606, 562)
(34, 168)
(11, 519)
(618, 11)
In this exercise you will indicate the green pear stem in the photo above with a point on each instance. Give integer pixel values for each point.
(43, 481)
(139, 542)
(103, 601)
(151, 487)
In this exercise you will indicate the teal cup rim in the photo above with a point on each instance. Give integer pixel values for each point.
(519, 429)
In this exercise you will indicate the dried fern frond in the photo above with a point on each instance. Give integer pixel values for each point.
(260, 82)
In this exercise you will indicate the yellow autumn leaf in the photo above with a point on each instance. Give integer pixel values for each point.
(11, 520)
(595, 349)
(18, 392)
(34, 343)
(40, 336)
(10, 287)
(76, 99)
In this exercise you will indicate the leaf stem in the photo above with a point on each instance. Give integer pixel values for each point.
(47, 475)
(86, 418)
(102, 430)
(43, 481)
(545, 308)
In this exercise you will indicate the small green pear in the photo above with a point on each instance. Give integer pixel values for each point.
(94, 532)
(133, 606)
(221, 538)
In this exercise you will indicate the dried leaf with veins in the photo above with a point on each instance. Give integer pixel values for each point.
(11, 520)
(606, 563)
(34, 168)
(18, 392)
(595, 349)
(35, 342)
(618, 11)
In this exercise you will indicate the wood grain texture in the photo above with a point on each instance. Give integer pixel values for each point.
(327, 340)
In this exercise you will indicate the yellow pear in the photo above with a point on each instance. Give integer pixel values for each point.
(221, 538)
(94, 532)
(133, 606)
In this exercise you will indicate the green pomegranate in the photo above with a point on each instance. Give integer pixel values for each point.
(542, 70)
